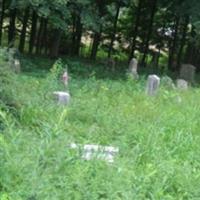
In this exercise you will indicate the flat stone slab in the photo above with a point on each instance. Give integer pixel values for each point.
(92, 151)
(62, 97)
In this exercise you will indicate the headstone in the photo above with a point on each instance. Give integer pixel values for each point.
(187, 72)
(65, 78)
(182, 84)
(133, 68)
(167, 82)
(153, 83)
(16, 66)
(91, 151)
(62, 97)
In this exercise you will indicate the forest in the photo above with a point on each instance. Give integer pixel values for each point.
(99, 99)
(150, 30)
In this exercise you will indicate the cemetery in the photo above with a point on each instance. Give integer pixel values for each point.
(140, 129)
(99, 100)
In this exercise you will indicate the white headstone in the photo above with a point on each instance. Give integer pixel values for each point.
(187, 72)
(65, 78)
(153, 83)
(133, 66)
(62, 97)
(17, 66)
(182, 84)
(91, 151)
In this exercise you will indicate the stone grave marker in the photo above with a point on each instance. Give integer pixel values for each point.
(153, 83)
(65, 78)
(63, 98)
(133, 66)
(92, 151)
(182, 84)
(187, 72)
(16, 66)
(167, 82)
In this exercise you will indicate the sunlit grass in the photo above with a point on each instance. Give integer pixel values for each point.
(158, 138)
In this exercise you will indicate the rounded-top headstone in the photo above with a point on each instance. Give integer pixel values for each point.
(133, 66)
(182, 84)
(153, 83)
(167, 82)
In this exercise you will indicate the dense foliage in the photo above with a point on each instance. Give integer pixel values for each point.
(122, 29)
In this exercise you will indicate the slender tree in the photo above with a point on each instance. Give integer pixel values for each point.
(2, 14)
(33, 31)
(118, 6)
(24, 29)
(12, 29)
(135, 30)
(146, 47)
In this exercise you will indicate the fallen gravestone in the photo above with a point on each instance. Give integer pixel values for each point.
(187, 72)
(153, 83)
(91, 151)
(182, 84)
(62, 98)
(133, 66)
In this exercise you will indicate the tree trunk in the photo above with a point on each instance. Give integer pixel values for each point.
(45, 37)
(23, 32)
(114, 30)
(2, 19)
(190, 47)
(11, 30)
(33, 32)
(146, 48)
(183, 40)
(135, 31)
(73, 34)
(95, 45)
(54, 51)
(39, 36)
(172, 51)
(78, 35)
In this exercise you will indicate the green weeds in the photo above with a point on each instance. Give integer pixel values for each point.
(158, 138)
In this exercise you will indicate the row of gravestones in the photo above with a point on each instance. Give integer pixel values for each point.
(187, 75)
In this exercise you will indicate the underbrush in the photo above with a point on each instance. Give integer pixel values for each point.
(158, 138)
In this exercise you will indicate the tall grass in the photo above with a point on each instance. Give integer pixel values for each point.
(158, 138)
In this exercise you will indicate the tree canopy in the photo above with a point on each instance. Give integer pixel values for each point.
(147, 30)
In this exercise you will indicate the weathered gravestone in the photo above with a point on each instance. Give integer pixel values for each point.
(16, 66)
(65, 78)
(63, 98)
(153, 83)
(167, 82)
(91, 151)
(187, 72)
(14, 62)
(182, 84)
(133, 66)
